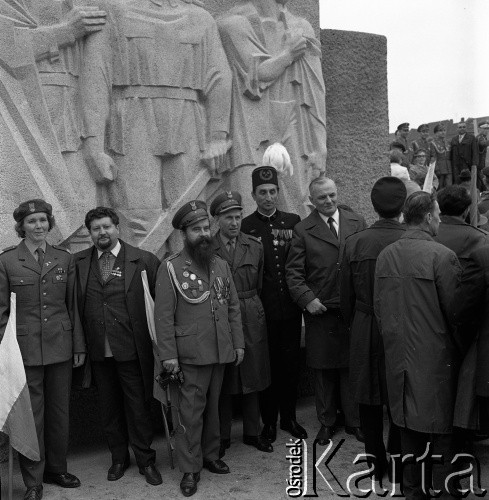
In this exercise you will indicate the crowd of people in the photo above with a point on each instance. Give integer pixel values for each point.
(392, 313)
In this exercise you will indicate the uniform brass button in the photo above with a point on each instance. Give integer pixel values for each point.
(44, 307)
(44, 293)
(279, 273)
(276, 256)
(45, 319)
(22, 281)
(278, 265)
(105, 303)
(43, 282)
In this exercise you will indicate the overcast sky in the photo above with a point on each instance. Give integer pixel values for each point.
(437, 53)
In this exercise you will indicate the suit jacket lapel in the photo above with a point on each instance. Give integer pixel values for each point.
(320, 229)
(348, 226)
(94, 265)
(130, 265)
(28, 259)
(84, 264)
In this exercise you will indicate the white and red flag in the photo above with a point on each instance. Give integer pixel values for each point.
(16, 419)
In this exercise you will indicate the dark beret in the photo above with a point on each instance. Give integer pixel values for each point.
(398, 145)
(465, 175)
(229, 200)
(264, 175)
(423, 126)
(438, 127)
(191, 212)
(31, 207)
(388, 195)
(402, 125)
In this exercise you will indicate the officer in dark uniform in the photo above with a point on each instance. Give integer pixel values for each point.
(401, 143)
(284, 318)
(50, 338)
(244, 254)
(198, 329)
(367, 362)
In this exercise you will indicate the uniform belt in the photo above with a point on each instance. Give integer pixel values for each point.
(361, 306)
(59, 79)
(155, 91)
(248, 294)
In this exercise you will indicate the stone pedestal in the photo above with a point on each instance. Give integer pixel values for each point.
(355, 75)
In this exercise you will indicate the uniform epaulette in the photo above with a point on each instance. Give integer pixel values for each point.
(254, 238)
(172, 256)
(60, 247)
(8, 249)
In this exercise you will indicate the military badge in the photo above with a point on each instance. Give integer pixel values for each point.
(193, 277)
(185, 285)
(266, 174)
(117, 272)
(230, 195)
(32, 207)
(186, 274)
(193, 205)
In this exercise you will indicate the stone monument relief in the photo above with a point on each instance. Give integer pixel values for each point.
(143, 105)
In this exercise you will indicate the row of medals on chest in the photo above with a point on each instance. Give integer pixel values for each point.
(281, 236)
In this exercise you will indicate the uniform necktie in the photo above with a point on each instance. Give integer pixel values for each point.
(105, 266)
(40, 256)
(331, 226)
(231, 248)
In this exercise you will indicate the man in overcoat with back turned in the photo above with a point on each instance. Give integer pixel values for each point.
(367, 363)
(312, 268)
(415, 282)
(111, 304)
(244, 254)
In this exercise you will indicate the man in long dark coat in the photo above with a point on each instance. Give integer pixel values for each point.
(111, 304)
(415, 282)
(464, 152)
(312, 267)
(244, 254)
(367, 363)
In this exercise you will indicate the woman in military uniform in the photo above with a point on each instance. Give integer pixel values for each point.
(49, 335)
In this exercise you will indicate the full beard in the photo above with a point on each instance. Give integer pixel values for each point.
(200, 251)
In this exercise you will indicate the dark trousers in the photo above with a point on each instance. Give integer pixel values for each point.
(49, 389)
(196, 415)
(125, 413)
(372, 424)
(284, 339)
(251, 414)
(326, 383)
(415, 443)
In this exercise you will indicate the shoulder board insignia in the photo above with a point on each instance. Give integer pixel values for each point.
(172, 256)
(8, 249)
(60, 247)
(254, 238)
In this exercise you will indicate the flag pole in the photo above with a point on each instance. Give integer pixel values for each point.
(10, 470)
(473, 188)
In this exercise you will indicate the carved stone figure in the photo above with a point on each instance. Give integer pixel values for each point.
(278, 93)
(156, 92)
(59, 76)
(30, 161)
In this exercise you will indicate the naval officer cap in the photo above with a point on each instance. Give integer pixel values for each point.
(264, 175)
(403, 126)
(229, 200)
(388, 195)
(191, 212)
(424, 128)
(31, 207)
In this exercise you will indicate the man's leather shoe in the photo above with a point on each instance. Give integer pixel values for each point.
(324, 435)
(117, 469)
(225, 444)
(188, 484)
(259, 443)
(269, 433)
(33, 493)
(357, 432)
(216, 466)
(294, 428)
(152, 474)
(65, 480)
